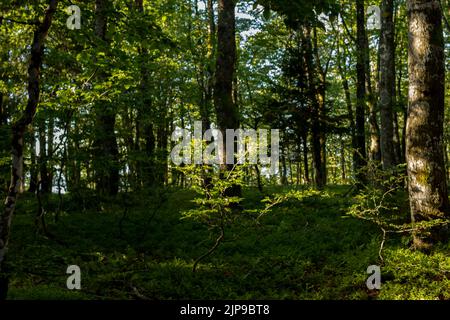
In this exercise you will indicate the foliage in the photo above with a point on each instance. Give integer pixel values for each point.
(383, 201)
(301, 250)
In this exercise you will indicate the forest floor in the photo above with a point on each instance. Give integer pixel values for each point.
(307, 249)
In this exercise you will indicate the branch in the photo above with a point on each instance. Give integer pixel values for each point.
(444, 17)
(347, 30)
(26, 22)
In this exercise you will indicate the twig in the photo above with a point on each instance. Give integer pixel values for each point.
(138, 294)
(218, 241)
(26, 22)
(382, 245)
(346, 29)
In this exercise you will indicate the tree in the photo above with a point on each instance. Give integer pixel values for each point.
(360, 149)
(387, 84)
(428, 195)
(226, 110)
(18, 132)
(105, 142)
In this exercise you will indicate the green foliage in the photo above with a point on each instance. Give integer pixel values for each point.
(215, 207)
(379, 201)
(300, 250)
(384, 202)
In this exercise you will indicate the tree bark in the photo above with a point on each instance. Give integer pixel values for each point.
(210, 68)
(428, 193)
(105, 143)
(360, 148)
(17, 143)
(387, 84)
(305, 157)
(350, 114)
(33, 167)
(226, 110)
(374, 128)
(316, 91)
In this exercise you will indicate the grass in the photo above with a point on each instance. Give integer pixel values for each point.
(305, 249)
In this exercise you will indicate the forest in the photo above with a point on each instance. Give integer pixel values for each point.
(224, 150)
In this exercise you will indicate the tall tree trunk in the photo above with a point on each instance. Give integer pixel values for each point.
(226, 110)
(283, 166)
(400, 98)
(50, 152)
(374, 129)
(210, 67)
(18, 132)
(322, 112)
(350, 114)
(106, 150)
(33, 167)
(343, 164)
(4, 143)
(43, 185)
(316, 93)
(428, 193)
(144, 122)
(397, 141)
(305, 157)
(360, 150)
(387, 84)
(2, 111)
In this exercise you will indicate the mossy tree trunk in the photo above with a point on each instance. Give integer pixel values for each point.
(424, 132)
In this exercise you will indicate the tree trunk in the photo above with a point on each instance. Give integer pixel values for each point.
(147, 170)
(350, 115)
(105, 143)
(317, 95)
(44, 183)
(360, 150)
(226, 110)
(18, 131)
(397, 141)
(33, 167)
(305, 157)
(210, 68)
(343, 165)
(387, 84)
(374, 129)
(428, 193)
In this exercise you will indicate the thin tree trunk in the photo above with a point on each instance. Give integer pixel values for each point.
(374, 129)
(343, 165)
(33, 168)
(350, 114)
(360, 150)
(387, 84)
(305, 157)
(317, 104)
